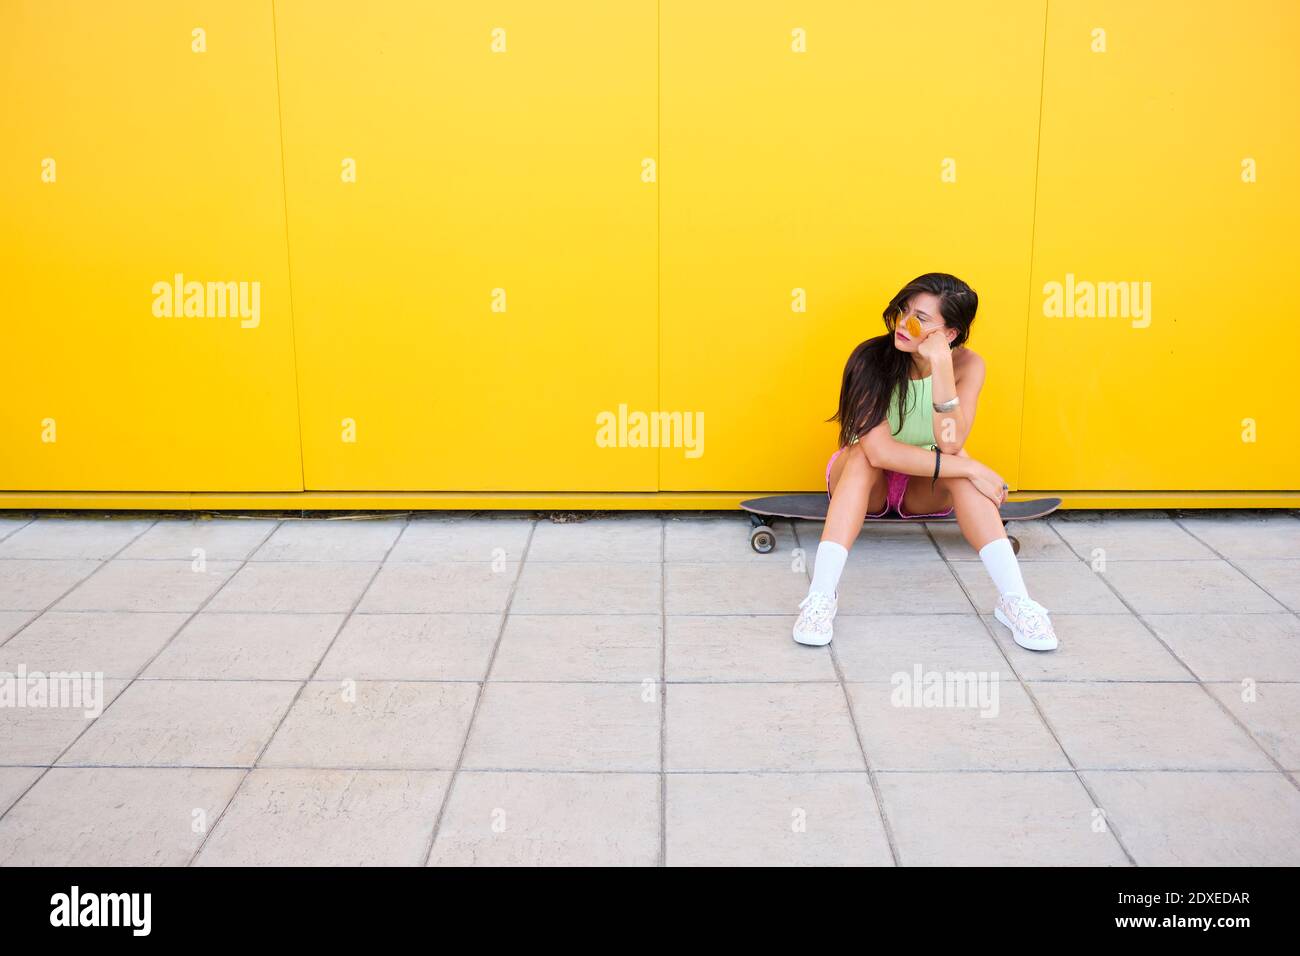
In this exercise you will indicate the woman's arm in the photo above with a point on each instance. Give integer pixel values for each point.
(883, 450)
(949, 379)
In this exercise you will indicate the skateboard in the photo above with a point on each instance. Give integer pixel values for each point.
(813, 507)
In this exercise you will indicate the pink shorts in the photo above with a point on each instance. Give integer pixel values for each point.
(893, 497)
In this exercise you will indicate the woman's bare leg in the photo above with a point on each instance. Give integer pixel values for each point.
(977, 516)
(855, 486)
(856, 489)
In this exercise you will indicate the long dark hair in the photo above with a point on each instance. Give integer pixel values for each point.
(876, 370)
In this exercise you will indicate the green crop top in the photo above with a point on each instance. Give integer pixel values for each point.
(918, 415)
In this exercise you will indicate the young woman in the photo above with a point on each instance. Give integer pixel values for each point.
(907, 404)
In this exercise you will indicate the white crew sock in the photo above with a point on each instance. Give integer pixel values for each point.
(829, 563)
(1002, 566)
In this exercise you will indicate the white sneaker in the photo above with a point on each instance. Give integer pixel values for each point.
(1028, 621)
(814, 624)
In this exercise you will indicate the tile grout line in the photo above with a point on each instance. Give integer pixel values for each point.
(231, 613)
(689, 772)
(876, 794)
(302, 685)
(1034, 702)
(861, 614)
(663, 691)
(478, 698)
(748, 682)
(624, 563)
(634, 683)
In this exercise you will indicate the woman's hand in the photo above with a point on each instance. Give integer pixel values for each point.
(988, 481)
(934, 347)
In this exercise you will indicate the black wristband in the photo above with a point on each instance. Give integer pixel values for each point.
(937, 454)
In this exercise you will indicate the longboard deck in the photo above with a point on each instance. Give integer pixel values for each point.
(813, 508)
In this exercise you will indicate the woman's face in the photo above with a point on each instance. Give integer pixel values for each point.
(917, 320)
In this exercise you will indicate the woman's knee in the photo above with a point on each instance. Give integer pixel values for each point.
(961, 489)
(858, 468)
(964, 493)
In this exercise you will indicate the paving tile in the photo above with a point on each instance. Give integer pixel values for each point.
(220, 539)
(736, 588)
(1271, 712)
(1247, 535)
(1063, 587)
(457, 587)
(760, 727)
(300, 587)
(1038, 542)
(741, 648)
(1231, 647)
(383, 725)
(1127, 536)
(328, 818)
(1202, 819)
(113, 643)
(920, 725)
(905, 586)
(71, 538)
(1279, 577)
(184, 723)
(438, 539)
(557, 727)
(1174, 587)
(723, 539)
(592, 588)
(774, 819)
(320, 539)
(33, 585)
(878, 646)
(609, 539)
(1093, 647)
(579, 647)
(124, 585)
(110, 816)
(242, 646)
(550, 819)
(38, 734)
(995, 819)
(439, 647)
(13, 782)
(1146, 726)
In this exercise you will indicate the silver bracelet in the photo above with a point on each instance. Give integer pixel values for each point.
(948, 405)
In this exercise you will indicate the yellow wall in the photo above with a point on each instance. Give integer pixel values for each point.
(1141, 180)
(165, 161)
(476, 171)
(822, 171)
(564, 208)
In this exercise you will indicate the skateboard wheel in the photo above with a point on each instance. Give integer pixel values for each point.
(1015, 543)
(762, 540)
